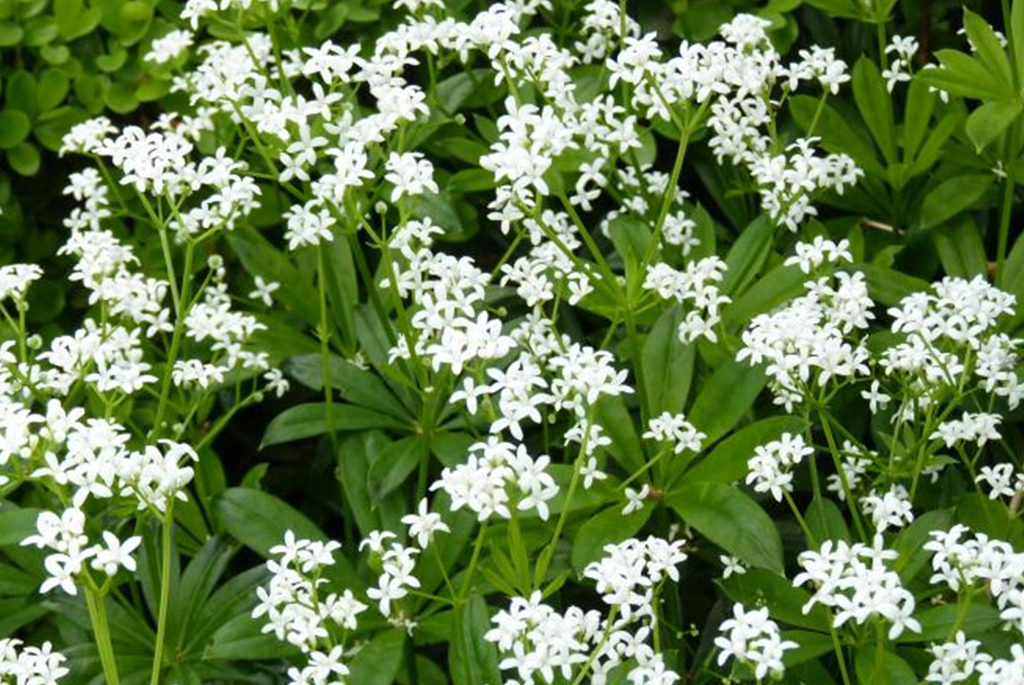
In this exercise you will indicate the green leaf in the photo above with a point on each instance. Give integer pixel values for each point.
(810, 645)
(727, 463)
(24, 158)
(778, 286)
(938, 623)
(875, 106)
(910, 542)
(846, 9)
(610, 412)
(825, 521)
(260, 258)
(396, 463)
(14, 128)
(11, 33)
(22, 93)
(917, 116)
(632, 239)
(889, 286)
(358, 386)
(472, 660)
(1017, 31)
(730, 519)
(989, 121)
(309, 420)
(468, 90)
(726, 397)
(53, 88)
(962, 76)
(259, 520)
(935, 143)
(609, 527)
(784, 601)
(668, 364)
(953, 196)
(882, 668)
(960, 248)
(1012, 278)
(120, 98)
(989, 51)
(16, 524)
(747, 255)
(377, 663)
(243, 639)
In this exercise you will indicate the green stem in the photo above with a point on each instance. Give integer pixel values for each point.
(477, 546)
(839, 652)
(176, 336)
(167, 540)
(98, 618)
(847, 492)
(325, 346)
(1004, 228)
(883, 58)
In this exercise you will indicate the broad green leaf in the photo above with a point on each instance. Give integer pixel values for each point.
(935, 143)
(260, 258)
(989, 121)
(14, 128)
(888, 286)
(983, 515)
(469, 90)
(962, 76)
(875, 106)
(960, 248)
(377, 663)
(747, 255)
(11, 33)
(989, 51)
(396, 463)
(472, 660)
(233, 599)
(53, 88)
(825, 521)
(242, 639)
(778, 286)
(309, 420)
(727, 463)
(667, 364)
(730, 519)
(358, 386)
(610, 412)
(632, 239)
(846, 9)
(938, 622)
(197, 584)
(910, 542)
(24, 158)
(810, 645)
(16, 524)
(1017, 31)
(725, 398)
(609, 527)
(1012, 278)
(953, 196)
(918, 114)
(784, 601)
(259, 520)
(882, 667)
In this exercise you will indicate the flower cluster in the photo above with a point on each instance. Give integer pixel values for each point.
(855, 581)
(25, 665)
(753, 639)
(299, 612)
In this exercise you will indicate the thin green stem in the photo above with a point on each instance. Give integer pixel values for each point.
(477, 546)
(839, 653)
(98, 617)
(176, 337)
(847, 492)
(1004, 228)
(325, 346)
(167, 541)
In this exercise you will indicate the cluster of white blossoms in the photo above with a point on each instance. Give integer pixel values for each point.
(28, 665)
(857, 584)
(952, 338)
(539, 643)
(297, 611)
(812, 340)
(771, 467)
(890, 509)
(963, 562)
(675, 431)
(697, 286)
(753, 639)
(65, 536)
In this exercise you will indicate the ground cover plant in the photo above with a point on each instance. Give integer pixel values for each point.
(516, 343)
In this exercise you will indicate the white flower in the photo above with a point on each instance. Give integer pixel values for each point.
(423, 524)
(262, 290)
(752, 637)
(116, 554)
(635, 499)
(169, 46)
